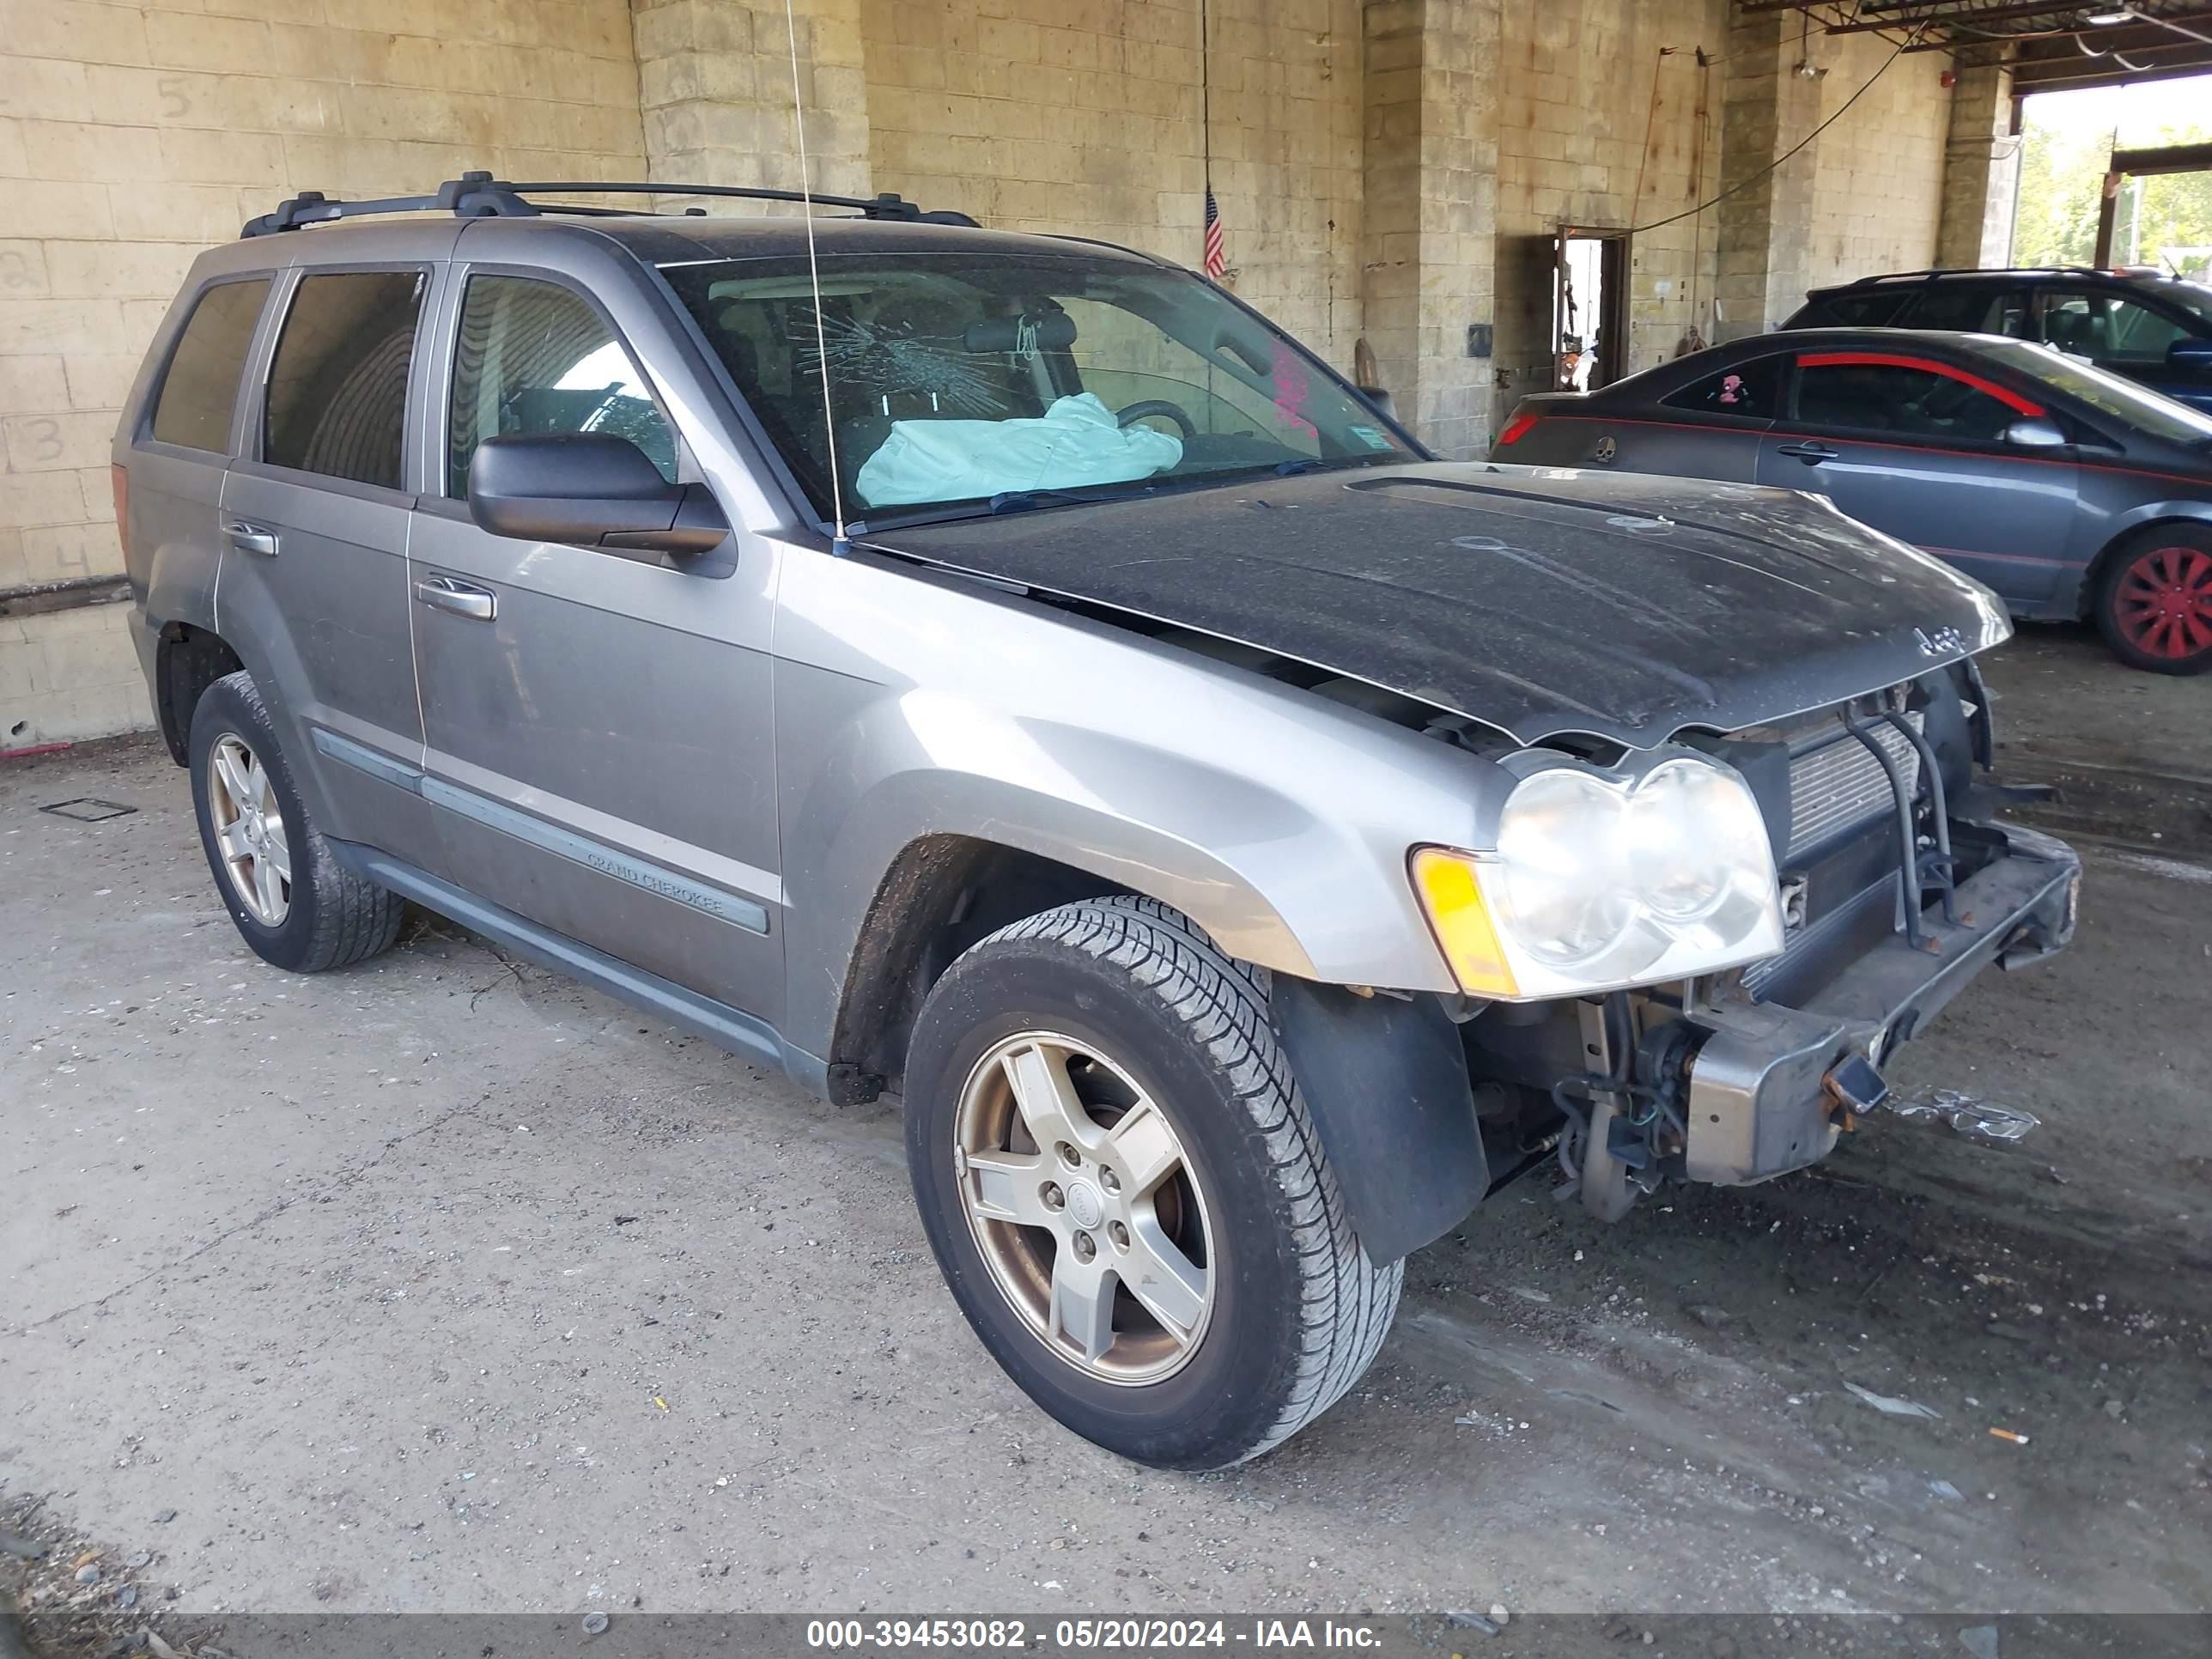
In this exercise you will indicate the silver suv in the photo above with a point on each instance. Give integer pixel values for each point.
(1008, 672)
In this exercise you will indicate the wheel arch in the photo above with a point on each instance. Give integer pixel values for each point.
(186, 661)
(2141, 524)
(939, 895)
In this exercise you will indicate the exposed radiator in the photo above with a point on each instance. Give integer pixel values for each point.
(1838, 785)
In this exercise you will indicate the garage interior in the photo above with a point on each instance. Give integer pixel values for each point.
(1456, 200)
(1396, 175)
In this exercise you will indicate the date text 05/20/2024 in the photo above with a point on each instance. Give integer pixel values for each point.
(1085, 1635)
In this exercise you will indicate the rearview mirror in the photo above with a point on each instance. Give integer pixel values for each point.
(2190, 353)
(1383, 404)
(2035, 433)
(592, 490)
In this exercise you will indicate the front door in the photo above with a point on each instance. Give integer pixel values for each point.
(598, 738)
(1917, 447)
(314, 520)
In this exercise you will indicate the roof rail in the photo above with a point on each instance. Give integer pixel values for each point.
(1977, 270)
(480, 196)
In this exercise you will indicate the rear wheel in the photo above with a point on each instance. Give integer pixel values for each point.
(290, 900)
(2155, 603)
(1126, 1193)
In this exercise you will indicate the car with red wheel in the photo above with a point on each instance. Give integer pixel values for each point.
(2074, 493)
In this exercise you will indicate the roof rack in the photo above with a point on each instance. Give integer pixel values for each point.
(480, 196)
(1975, 271)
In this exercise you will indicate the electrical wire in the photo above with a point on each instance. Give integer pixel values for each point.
(1746, 184)
(814, 279)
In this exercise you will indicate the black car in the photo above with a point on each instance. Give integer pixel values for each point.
(2070, 491)
(2152, 328)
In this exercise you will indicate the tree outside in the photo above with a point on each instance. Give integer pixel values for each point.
(2066, 145)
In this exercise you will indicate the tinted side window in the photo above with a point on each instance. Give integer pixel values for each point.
(1879, 397)
(200, 391)
(1849, 311)
(1752, 390)
(337, 390)
(1953, 305)
(2108, 328)
(534, 357)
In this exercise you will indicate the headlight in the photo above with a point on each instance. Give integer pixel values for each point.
(1603, 879)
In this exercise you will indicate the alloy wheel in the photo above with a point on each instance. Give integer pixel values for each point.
(1086, 1208)
(250, 831)
(2162, 602)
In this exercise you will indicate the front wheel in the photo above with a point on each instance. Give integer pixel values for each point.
(1125, 1191)
(2155, 606)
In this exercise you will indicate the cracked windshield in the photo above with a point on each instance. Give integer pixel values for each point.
(993, 379)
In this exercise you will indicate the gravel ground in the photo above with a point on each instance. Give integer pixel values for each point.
(443, 1285)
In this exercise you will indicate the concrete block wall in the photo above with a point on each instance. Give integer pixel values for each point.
(1981, 170)
(1608, 121)
(1084, 115)
(133, 136)
(714, 90)
(1388, 170)
(1429, 247)
(1878, 173)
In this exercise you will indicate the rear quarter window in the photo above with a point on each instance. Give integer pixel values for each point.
(199, 392)
(1848, 311)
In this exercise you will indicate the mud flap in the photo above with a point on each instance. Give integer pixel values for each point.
(1385, 1081)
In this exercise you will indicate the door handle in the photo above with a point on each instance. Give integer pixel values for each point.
(250, 537)
(1811, 454)
(461, 598)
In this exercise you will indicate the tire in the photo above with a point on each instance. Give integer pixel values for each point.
(321, 917)
(2154, 603)
(1137, 1003)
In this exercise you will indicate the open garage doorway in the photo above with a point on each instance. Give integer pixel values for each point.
(1590, 306)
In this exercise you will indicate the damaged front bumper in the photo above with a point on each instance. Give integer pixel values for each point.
(1772, 1087)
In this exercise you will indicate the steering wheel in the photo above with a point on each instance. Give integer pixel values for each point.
(1149, 406)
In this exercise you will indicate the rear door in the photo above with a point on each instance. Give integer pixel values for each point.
(181, 449)
(1916, 447)
(315, 512)
(599, 734)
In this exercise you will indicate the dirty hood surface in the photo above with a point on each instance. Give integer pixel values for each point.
(1539, 601)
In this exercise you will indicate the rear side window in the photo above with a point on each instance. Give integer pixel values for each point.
(1968, 309)
(1750, 391)
(1848, 311)
(535, 357)
(200, 391)
(337, 390)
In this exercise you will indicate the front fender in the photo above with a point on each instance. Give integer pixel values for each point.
(1276, 820)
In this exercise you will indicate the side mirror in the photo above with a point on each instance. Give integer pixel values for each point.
(2036, 432)
(1385, 405)
(592, 489)
(2190, 353)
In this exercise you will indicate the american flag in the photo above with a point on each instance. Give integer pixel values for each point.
(1217, 256)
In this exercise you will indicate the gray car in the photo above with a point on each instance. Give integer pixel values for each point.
(2073, 492)
(1007, 672)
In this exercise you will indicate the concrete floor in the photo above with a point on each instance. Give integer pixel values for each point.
(441, 1284)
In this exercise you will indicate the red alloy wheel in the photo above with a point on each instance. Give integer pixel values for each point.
(2162, 602)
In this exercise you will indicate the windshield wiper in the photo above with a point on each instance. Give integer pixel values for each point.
(1020, 501)
(1326, 464)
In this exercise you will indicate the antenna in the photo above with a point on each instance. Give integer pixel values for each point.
(838, 545)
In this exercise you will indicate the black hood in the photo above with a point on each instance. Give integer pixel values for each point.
(1538, 601)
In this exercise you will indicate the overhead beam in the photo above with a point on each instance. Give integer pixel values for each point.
(1936, 17)
(2164, 158)
(2120, 37)
(2024, 83)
